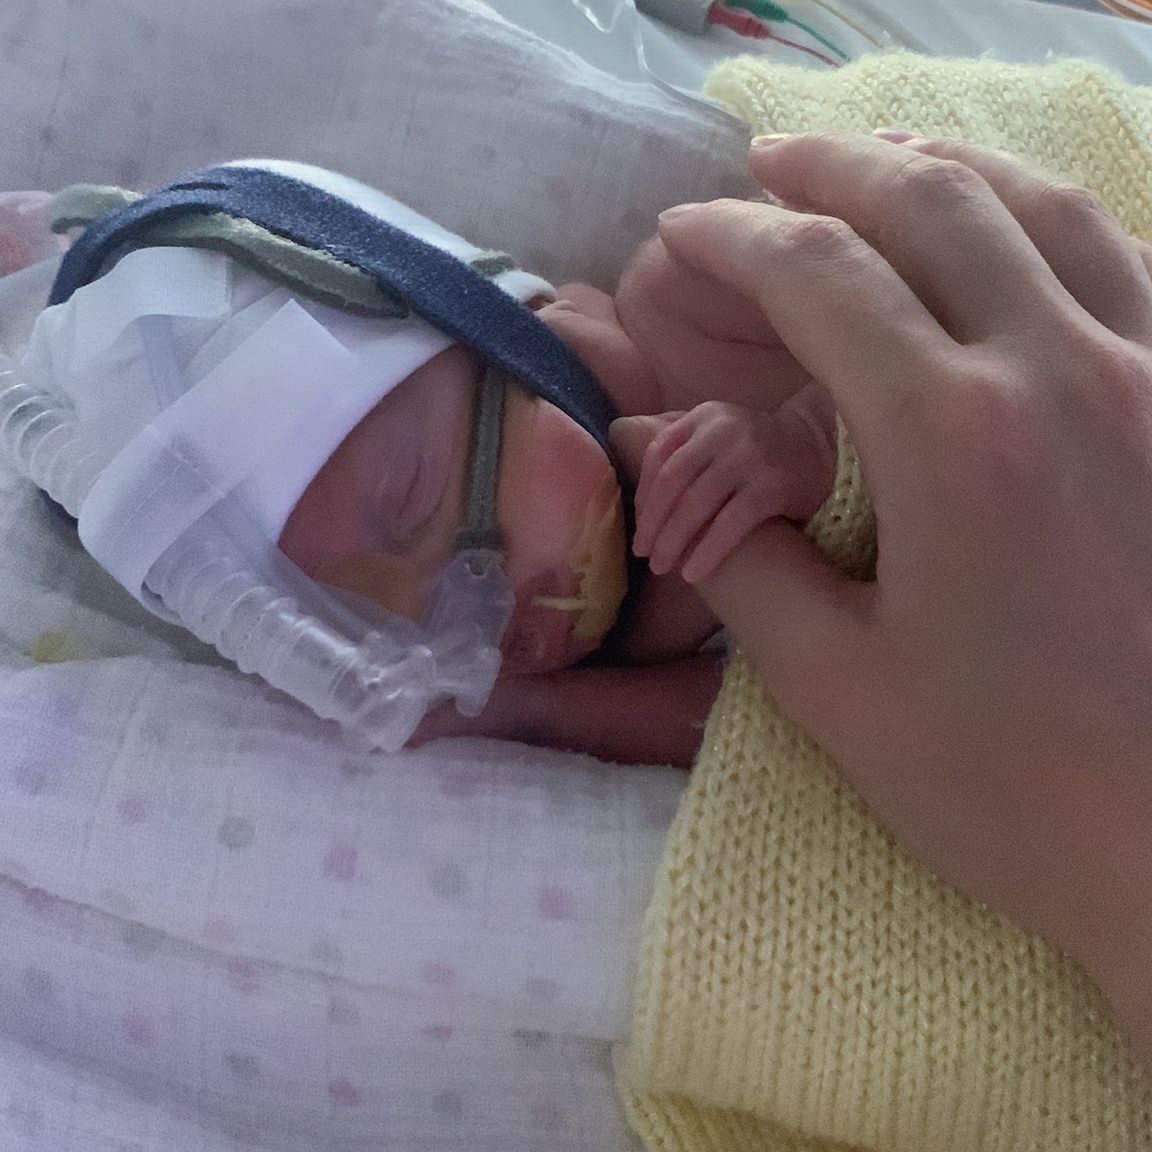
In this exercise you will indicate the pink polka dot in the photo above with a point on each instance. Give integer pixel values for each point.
(344, 1092)
(132, 809)
(448, 1105)
(438, 975)
(244, 976)
(219, 930)
(242, 1066)
(138, 1029)
(556, 903)
(342, 1012)
(440, 1032)
(340, 863)
(448, 881)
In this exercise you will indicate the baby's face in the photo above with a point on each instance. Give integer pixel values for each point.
(380, 518)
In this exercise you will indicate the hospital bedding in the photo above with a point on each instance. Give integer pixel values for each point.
(225, 927)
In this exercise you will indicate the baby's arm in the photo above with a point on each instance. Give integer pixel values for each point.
(710, 475)
(651, 714)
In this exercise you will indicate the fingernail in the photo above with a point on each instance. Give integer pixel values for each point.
(672, 213)
(772, 138)
(894, 135)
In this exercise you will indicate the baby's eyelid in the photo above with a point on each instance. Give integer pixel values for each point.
(385, 528)
(404, 508)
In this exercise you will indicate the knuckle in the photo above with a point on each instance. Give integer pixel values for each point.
(989, 418)
(927, 177)
(816, 237)
(1060, 202)
(1120, 378)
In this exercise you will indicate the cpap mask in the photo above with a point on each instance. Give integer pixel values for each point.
(165, 387)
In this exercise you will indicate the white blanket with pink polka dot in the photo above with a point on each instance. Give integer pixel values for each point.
(225, 928)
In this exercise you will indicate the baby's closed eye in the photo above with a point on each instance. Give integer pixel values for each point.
(406, 498)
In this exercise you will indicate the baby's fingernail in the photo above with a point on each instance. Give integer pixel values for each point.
(894, 135)
(768, 140)
(679, 210)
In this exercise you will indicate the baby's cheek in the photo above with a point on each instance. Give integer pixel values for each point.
(397, 586)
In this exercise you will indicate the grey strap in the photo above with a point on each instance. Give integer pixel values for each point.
(310, 272)
(481, 525)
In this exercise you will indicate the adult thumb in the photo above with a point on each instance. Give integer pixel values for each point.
(804, 627)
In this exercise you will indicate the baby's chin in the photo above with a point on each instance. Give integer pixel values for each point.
(542, 640)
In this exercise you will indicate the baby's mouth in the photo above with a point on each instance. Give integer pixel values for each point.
(600, 567)
(563, 616)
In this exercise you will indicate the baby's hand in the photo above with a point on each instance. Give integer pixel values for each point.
(711, 475)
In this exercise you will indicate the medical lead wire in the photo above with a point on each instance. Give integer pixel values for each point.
(750, 19)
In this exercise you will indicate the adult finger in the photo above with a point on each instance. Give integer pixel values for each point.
(807, 629)
(728, 527)
(694, 510)
(937, 222)
(839, 307)
(1082, 242)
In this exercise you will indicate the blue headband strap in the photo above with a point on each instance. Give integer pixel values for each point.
(453, 297)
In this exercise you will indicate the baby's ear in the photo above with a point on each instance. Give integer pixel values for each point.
(596, 337)
(26, 234)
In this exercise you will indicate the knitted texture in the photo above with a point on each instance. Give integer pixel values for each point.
(804, 985)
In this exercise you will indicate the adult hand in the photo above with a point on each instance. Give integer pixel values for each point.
(987, 337)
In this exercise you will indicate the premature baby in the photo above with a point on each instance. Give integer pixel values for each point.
(716, 425)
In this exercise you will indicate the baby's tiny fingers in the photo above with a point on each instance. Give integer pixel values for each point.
(664, 483)
(691, 515)
(662, 446)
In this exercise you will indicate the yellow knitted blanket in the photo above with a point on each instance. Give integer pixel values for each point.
(804, 986)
